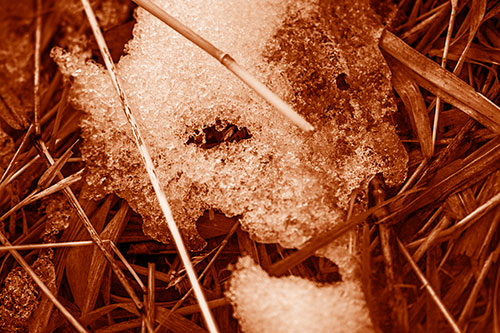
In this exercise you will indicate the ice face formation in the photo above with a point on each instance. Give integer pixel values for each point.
(217, 145)
(292, 304)
(286, 184)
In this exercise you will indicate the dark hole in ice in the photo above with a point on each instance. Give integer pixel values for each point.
(341, 82)
(211, 137)
(325, 270)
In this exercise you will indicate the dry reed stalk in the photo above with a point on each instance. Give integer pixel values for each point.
(316, 243)
(227, 61)
(150, 168)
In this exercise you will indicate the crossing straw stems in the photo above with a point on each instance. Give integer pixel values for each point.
(205, 310)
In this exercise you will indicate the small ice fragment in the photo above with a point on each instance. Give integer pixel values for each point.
(291, 304)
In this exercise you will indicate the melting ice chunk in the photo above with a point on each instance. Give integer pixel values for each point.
(288, 185)
(292, 304)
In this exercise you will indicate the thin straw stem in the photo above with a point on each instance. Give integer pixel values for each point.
(414, 176)
(16, 154)
(126, 264)
(77, 244)
(36, 76)
(179, 302)
(46, 245)
(429, 289)
(228, 62)
(454, 5)
(151, 291)
(207, 315)
(73, 201)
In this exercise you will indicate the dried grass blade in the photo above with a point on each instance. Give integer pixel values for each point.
(496, 305)
(42, 285)
(207, 315)
(314, 244)
(45, 246)
(442, 83)
(470, 170)
(73, 201)
(476, 52)
(472, 217)
(432, 33)
(205, 270)
(427, 22)
(61, 106)
(469, 305)
(51, 172)
(9, 109)
(458, 141)
(476, 15)
(492, 12)
(16, 174)
(164, 277)
(492, 230)
(429, 239)
(414, 102)
(127, 265)
(100, 312)
(16, 154)
(123, 326)
(413, 178)
(176, 322)
(429, 289)
(60, 185)
(77, 275)
(98, 263)
(190, 309)
(151, 292)
(397, 300)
